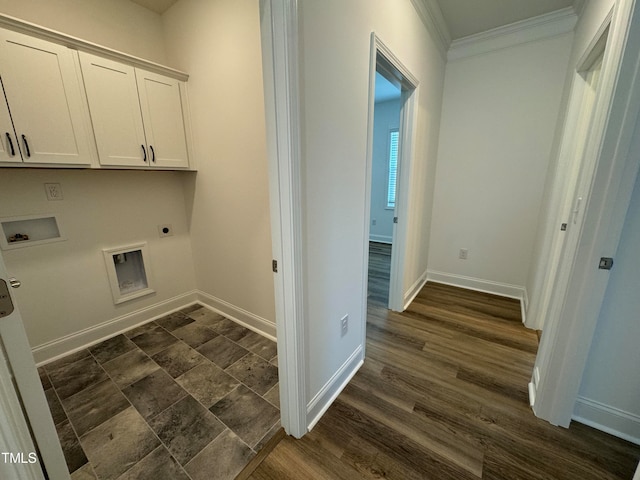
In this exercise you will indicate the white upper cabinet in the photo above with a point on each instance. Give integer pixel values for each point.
(138, 116)
(43, 91)
(161, 103)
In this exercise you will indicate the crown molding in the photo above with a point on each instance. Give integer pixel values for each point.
(578, 7)
(28, 28)
(529, 30)
(432, 18)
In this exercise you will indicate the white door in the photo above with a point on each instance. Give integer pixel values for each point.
(162, 113)
(43, 91)
(115, 111)
(22, 400)
(20, 459)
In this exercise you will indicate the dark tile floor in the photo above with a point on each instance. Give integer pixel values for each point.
(190, 396)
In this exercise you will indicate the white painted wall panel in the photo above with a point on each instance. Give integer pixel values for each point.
(498, 124)
(336, 50)
(65, 287)
(218, 43)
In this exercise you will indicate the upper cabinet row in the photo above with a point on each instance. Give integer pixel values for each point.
(64, 108)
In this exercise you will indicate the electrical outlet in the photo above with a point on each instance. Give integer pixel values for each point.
(54, 191)
(374, 222)
(165, 230)
(344, 322)
(463, 254)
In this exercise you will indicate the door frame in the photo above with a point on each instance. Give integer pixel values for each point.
(408, 120)
(577, 128)
(567, 338)
(280, 64)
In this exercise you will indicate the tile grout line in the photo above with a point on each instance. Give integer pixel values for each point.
(120, 389)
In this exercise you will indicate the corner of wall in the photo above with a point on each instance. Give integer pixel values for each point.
(330, 391)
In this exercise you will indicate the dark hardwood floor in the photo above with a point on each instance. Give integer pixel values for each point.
(443, 395)
(379, 271)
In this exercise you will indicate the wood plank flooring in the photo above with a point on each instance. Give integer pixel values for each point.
(379, 272)
(443, 395)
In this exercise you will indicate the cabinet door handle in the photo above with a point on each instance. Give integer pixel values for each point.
(144, 153)
(153, 154)
(26, 145)
(13, 152)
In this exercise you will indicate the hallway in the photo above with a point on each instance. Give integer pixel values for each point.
(443, 394)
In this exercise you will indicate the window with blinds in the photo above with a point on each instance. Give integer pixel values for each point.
(393, 168)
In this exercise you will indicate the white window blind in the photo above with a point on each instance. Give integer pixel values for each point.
(393, 169)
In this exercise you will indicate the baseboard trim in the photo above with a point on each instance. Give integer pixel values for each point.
(609, 419)
(60, 347)
(415, 289)
(380, 238)
(330, 391)
(243, 317)
(477, 284)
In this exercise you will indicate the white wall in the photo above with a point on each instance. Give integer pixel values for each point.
(610, 391)
(117, 24)
(65, 290)
(335, 42)
(218, 44)
(387, 117)
(498, 123)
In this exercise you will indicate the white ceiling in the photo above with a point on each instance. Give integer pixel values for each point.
(467, 17)
(463, 17)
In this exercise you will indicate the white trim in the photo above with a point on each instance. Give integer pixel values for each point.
(565, 344)
(408, 122)
(380, 238)
(530, 30)
(477, 284)
(330, 391)
(28, 28)
(433, 20)
(60, 347)
(609, 419)
(14, 431)
(413, 291)
(239, 315)
(281, 76)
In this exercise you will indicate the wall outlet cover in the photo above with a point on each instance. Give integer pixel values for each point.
(54, 191)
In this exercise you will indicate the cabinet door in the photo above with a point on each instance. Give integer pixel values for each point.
(43, 91)
(115, 112)
(9, 151)
(164, 126)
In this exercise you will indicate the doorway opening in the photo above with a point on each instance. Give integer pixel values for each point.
(384, 175)
(392, 115)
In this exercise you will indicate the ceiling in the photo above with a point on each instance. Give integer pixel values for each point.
(158, 6)
(463, 17)
(467, 17)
